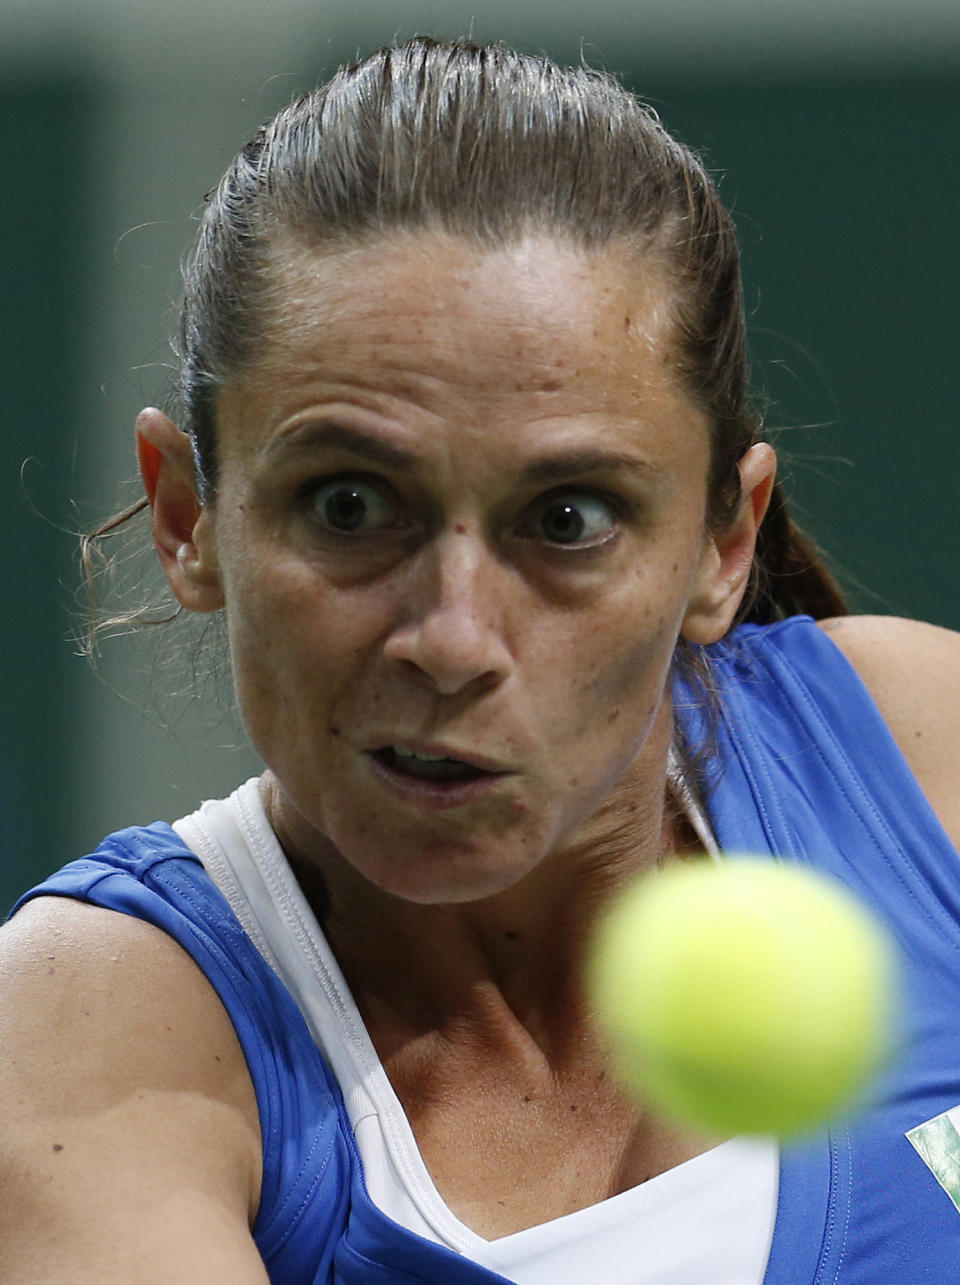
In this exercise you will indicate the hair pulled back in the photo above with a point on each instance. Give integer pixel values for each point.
(488, 144)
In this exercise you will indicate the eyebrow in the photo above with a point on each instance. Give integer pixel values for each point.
(355, 440)
(552, 468)
(588, 459)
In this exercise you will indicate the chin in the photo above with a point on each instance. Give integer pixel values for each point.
(451, 878)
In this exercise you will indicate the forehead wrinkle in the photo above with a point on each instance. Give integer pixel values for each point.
(553, 465)
(386, 354)
(331, 333)
(384, 369)
(317, 436)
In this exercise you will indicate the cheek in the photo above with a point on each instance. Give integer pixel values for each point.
(274, 643)
(634, 676)
(626, 654)
(264, 677)
(623, 696)
(299, 648)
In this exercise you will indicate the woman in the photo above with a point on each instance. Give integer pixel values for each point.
(465, 458)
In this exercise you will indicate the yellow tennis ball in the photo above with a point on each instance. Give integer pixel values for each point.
(744, 996)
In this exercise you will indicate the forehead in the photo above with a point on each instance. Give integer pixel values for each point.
(534, 294)
(438, 323)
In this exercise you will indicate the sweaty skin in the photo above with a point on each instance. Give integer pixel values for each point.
(461, 512)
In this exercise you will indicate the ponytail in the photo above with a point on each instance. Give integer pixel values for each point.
(790, 573)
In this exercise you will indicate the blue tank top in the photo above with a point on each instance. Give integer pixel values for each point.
(806, 770)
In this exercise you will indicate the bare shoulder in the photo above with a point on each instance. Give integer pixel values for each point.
(109, 975)
(910, 667)
(122, 1075)
(912, 670)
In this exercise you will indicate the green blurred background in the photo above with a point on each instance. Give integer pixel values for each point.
(834, 131)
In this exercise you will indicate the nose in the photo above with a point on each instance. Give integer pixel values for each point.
(451, 634)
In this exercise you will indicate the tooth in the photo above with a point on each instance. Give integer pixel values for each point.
(424, 758)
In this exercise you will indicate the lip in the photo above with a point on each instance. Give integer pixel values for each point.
(439, 750)
(438, 795)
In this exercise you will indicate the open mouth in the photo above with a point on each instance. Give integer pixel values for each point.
(427, 767)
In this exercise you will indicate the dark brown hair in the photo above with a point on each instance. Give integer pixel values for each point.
(489, 144)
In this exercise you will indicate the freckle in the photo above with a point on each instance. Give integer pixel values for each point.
(550, 385)
(334, 731)
(217, 1057)
(573, 1106)
(526, 1097)
(626, 321)
(510, 935)
(460, 528)
(58, 1146)
(614, 716)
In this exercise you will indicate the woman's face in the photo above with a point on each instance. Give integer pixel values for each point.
(459, 527)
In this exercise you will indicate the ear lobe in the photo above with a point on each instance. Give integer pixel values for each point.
(728, 555)
(183, 532)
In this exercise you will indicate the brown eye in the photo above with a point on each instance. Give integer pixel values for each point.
(576, 519)
(349, 505)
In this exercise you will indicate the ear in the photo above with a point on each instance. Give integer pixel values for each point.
(183, 532)
(728, 556)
